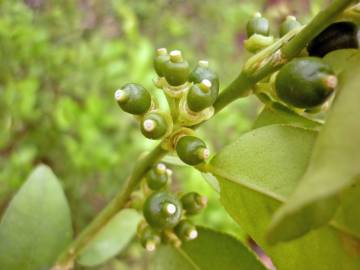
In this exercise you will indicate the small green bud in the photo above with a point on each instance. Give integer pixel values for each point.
(192, 150)
(133, 98)
(155, 125)
(176, 69)
(162, 210)
(157, 177)
(305, 82)
(193, 203)
(258, 42)
(203, 72)
(149, 239)
(186, 230)
(199, 96)
(339, 35)
(258, 25)
(160, 59)
(288, 25)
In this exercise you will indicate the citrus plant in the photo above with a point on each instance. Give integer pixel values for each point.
(291, 183)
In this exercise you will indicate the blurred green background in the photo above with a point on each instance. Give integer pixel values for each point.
(60, 62)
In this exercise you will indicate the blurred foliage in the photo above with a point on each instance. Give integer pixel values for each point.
(60, 62)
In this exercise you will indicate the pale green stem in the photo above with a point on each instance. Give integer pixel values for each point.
(173, 106)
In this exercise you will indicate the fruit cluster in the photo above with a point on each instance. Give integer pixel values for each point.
(190, 96)
(166, 214)
(306, 82)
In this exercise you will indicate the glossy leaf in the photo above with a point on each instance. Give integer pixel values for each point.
(36, 227)
(111, 239)
(256, 174)
(211, 250)
(333, 166)
(277, 113)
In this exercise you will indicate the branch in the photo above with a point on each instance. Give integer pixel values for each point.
(276, 59)
(139, 170)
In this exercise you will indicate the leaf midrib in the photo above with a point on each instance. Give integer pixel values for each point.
(281, 199)
(187, 258)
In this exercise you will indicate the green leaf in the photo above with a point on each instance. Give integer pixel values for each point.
(256, 174)
(211, 250)
(348, 214)
(173, 160)
(212, 181)
(276, 113)
(113, 238)
(36, 227)
(340, 59)
(333, 166)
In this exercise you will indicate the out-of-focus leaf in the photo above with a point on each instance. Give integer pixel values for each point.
(256, 174)
(212, 181)
(36, 227)
(173, 160)
(333, 167)
(111, 239)
(348, 214)
(340, 59)
(211, 250)
(277, 113)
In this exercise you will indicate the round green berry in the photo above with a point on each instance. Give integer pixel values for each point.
(203, 72)
(154, 125)
(176, 69)
(305, 82)
(288, 25)
(192, 150)
(186, 230)
(160, 59)
(258, 25)
(162, 210)
(193, 203)
(157, 177)
(133, 98)
(339, 35)
(199, 96)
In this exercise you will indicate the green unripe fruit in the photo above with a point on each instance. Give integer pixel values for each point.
(258, 25)
(176, 69)
(133, 98)
(203, 72)
(155, 125)
(193, 203)
(192, 150)
(149, 239)
(162, 210)
(288, 25)
(160, 59)
(186, 230)
(305, 82)
(199, 96)
(339, 35)
(157, 177)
